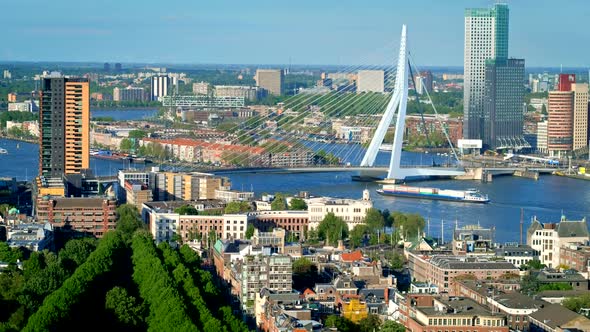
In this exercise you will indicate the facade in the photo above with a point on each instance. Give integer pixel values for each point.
(518, 254)
(11, 98)
(542, 137)
(201, 88)
(137, 193)
(256, 272)
(274, 239)
(159, 86)
(129, 94)
(576, 256)
(560, 124)
(25, 106)
(442, 270)
(549, 238)
(95, 216)
(486, 37)
(420, 312)
(294, 222)
(270, 80)
(352, 211)
(247, 92)
(370, 81)
(186, 186)
(64, 126)
(472, 240)
(580, 116)
(434, 124)
(503, 117)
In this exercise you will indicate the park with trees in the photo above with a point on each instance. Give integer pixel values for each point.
(121, 282)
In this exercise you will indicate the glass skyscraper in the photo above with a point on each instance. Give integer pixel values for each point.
(486, 38)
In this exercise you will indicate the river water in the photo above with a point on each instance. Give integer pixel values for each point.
(546, 198)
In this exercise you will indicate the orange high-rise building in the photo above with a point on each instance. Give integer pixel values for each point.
(64, 124)
(560, 124)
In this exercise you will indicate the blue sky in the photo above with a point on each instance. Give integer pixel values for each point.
(544, 32)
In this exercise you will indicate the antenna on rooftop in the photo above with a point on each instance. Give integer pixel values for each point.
(521, 223)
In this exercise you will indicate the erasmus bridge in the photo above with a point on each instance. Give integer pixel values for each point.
(377, 113)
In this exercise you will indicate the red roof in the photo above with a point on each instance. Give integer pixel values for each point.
(352, 256)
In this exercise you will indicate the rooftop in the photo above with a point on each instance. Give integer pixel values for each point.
(554, 315)
(469, 263)
(78, 202)
(456, 306)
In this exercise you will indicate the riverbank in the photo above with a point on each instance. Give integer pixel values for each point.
(28, 140)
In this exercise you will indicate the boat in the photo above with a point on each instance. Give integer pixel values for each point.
(3, 151)
(468, 196)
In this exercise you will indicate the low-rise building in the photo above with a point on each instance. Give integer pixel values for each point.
(228, 195)
(33, 236)
(352, 211)
(549, 238)
(517, 254)
(472, 240)
(274, 239)
(421, 312)
(576, 256)
(137, 193)
(95, 216)
(556, 318)
(443, 270)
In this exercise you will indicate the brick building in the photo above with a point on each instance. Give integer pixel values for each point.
(442, 270)
(91, 215)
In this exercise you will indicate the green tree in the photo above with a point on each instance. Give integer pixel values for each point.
(250, 231)
(124, 307)
(297, 204)
(332, 229)
(374, 220)
(278, 203)
(237, 207)
(577, 303)
(529, 284)
(137, 134)
(77, 250)
(357, 235)
(341, 323)
(8, 254)
(392, 326)
(305, 274)
(533, 264)
(128, 219)
(126, 145)
(186, 210)
(396, 260)
(370, 323)
(409, 225)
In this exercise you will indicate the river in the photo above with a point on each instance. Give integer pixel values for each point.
(546, 198)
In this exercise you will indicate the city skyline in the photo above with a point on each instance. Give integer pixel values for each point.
(340, 35)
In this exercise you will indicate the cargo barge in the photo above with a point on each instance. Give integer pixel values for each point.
(468, 196)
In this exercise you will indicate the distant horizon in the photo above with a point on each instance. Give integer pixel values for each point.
(544, 33)
(138, 65)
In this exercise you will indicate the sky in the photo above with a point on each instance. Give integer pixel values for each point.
(340, 32)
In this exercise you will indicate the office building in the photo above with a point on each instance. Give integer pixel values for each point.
(270, 80)
(580, 116)
(503, 117)
(95, 216)
(247, 92)
(118, 67)
(560, 124)
(137, 193)
(159, 86)
(129, 94)
(486, 37)
(424, 82)
(370, 81)
(7, 74)
(107, 67)
(25, 106)
(64, 121)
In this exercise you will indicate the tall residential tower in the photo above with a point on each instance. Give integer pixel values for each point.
(64, 124)
(486, 37)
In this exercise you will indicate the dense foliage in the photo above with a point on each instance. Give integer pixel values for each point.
(121, 282)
